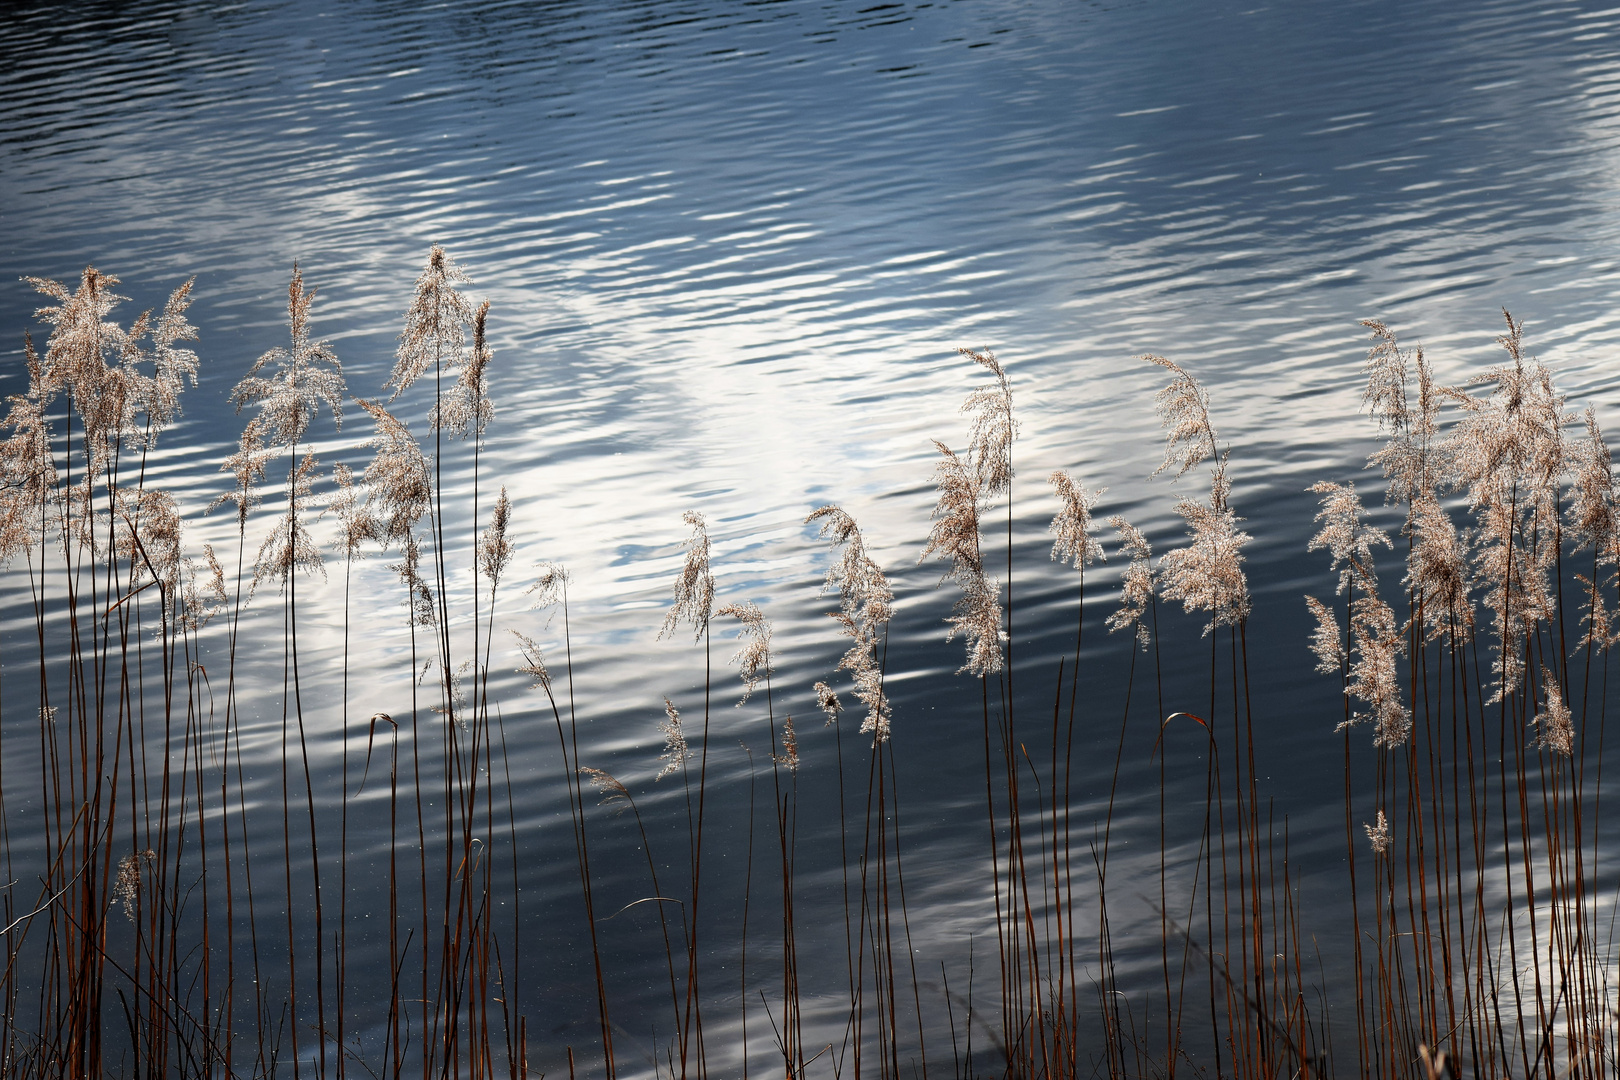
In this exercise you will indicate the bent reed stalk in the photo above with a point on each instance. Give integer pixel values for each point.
(139, 942)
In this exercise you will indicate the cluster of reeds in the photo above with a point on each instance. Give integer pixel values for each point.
(1480, 935)
(171, 914)
(162, 900)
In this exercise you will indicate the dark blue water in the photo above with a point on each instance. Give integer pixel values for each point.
(730, 251)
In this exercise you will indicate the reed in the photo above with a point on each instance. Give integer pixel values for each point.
(149, 930)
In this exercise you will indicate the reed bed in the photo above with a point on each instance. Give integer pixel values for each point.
(169, 913)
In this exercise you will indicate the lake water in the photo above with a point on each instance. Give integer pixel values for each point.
(730, 250)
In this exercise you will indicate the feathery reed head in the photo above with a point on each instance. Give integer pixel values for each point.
(865, 604)
(1137, 584)
(828, 702)
(1327, 641)
(550, 585)
(434, 333)
(1437, 570)
(1594, 518)
(1207, 575)
(398, 482)
(1555, 727)
(789, 757)
(534, 662)
(955, 536)
(613, 793)
(1183, 407)
(1072, 523)
(419, 597)
(289, 547)
(82, 340)
(466, 409)
(861, 585)
(993, 429)
(247, 465)
(1385, 396)
(355, 525)
(1378, 835)
(694, 589)
(676, 753)
(754, 655)
(302, 378)
(1345, 534)
(494, 549)
(28, 473)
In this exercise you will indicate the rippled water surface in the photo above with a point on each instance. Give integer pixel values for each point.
(730, 250)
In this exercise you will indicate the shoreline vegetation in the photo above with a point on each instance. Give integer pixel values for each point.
(151, 930)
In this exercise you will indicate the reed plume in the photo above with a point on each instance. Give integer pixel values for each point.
(753, 658)
(398, 482)
(955, 537)
(1378, 835)
(992, 427)
(1136, 585)
(1183, 407)
(28, 473)
(534, 662)
(789, 757)
(1555, 727)
(1071, 526)
(827, 702)
(1409, 459)
(300, 379)
(1377, 640)
(865, 605)
(419, 599)
(466, 409)
(1206, 575)
(247, 465)
(356, 525)
(676, 753)
(1508, 453)
(434, 333)
(613, 793)
(1437, 570)
(494, 549)
(288, 547)
(694, 588)
(1327, 640)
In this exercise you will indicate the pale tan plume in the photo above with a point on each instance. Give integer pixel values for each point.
(753, 656)
(1137, 584)
(694, 588)
(435, 323)
(865, 605)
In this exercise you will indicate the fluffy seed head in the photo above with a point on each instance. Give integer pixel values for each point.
(694, 589)
(534, 663)
(1327, 641)
(955, 537)
(1555, 728)
(494, 549)
(1207, 575)
(789, 757)
(676, 753)
(1137, 585)
(1183, 408)
(435, 323)
(1072, 525)
(754, 655)
(992, 429)
(1378, 835)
